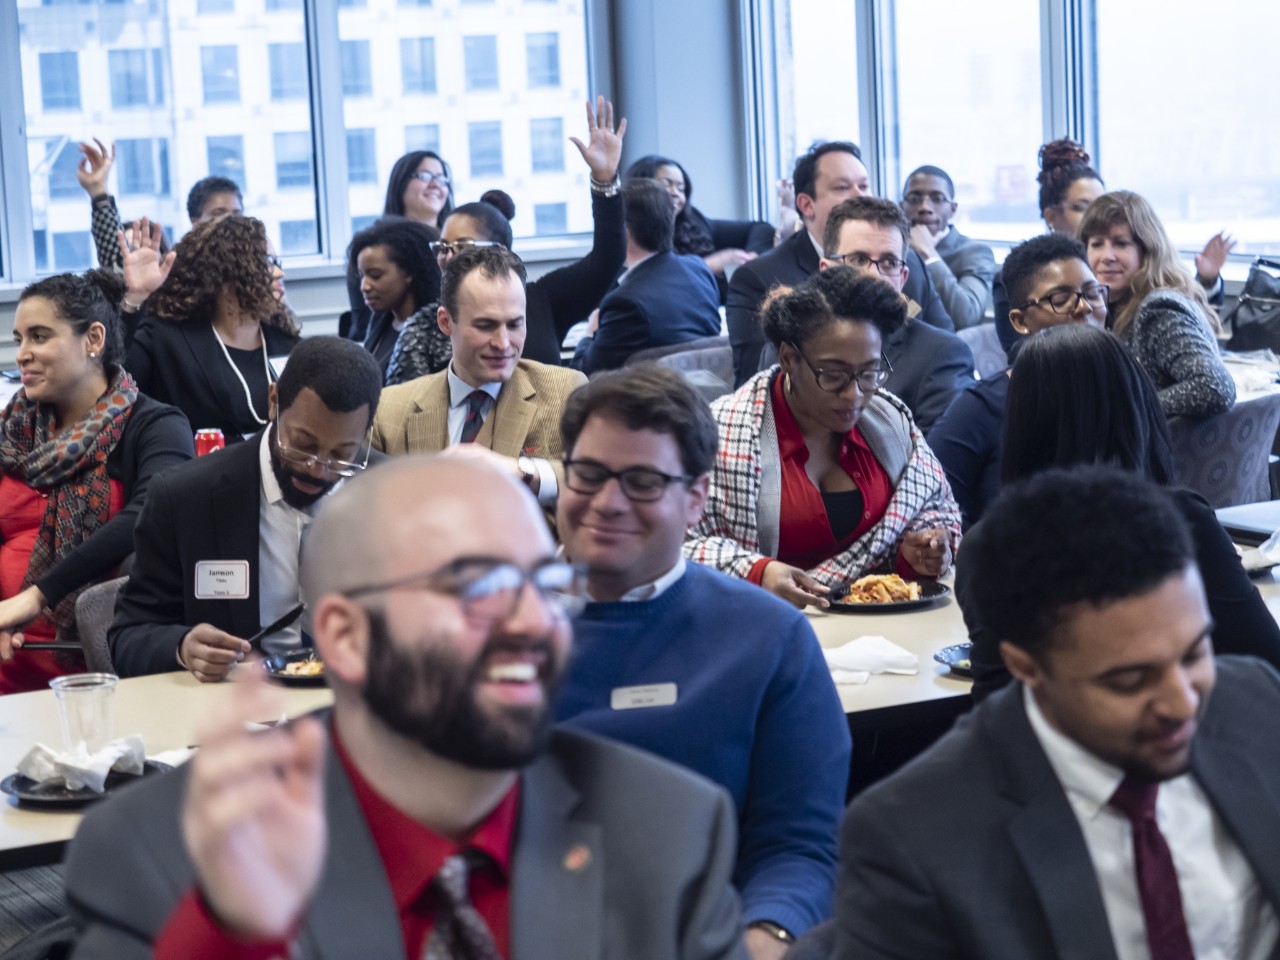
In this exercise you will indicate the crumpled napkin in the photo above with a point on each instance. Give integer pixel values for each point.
(855, 661)
(83, 770)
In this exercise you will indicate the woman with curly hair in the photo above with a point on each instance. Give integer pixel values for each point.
(399, 280)
(1155, 306)
(821, 477)
(720, 243)
(78, 447)
(208, 333)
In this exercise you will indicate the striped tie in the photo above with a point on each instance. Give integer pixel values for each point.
(475, 404)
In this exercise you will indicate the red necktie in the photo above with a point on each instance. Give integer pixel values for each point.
(471, 426)
(1167, 935)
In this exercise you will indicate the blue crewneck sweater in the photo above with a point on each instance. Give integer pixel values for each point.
(755, 711)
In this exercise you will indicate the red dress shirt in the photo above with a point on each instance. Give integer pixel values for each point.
(412, 855)
(804, 536)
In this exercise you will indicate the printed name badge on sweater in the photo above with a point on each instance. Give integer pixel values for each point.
(222, 580)
(649, 695)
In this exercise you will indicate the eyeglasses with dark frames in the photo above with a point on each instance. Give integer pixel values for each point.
(1066, 302)
(837, 381)
(426, 176)
(450, 247)
(489, 588)
(639, 484)
(888, 265)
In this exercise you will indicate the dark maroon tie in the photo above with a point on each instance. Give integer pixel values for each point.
(471, 426)
(1167, 935)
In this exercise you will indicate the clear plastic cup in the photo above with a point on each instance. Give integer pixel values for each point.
(86, 710)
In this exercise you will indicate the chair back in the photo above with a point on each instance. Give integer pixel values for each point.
(1225, 458)
(818, 943)
(54, 941)
(989, 357)
(707, 363)
(95, 608)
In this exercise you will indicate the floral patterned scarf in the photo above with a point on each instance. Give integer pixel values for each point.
(72, 466)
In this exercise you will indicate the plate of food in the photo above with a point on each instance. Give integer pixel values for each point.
(957, 658)
(300, 668)
(884, 592)
(33, 793)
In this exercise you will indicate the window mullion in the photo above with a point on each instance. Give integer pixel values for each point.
(17, 260)
(328, 128)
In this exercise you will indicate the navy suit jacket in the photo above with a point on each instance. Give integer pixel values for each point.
(930, 368)
(791, 262)
(669, 298)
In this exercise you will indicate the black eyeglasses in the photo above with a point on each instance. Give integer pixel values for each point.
(837, 381)
(1067, 301)
(450, 247)
(309, 461)
(639, 484)
(888, 265)
(426, 176)
(275, 261)
(489, 589)
(916, 197)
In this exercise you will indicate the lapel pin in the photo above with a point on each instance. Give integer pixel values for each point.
(577, 858)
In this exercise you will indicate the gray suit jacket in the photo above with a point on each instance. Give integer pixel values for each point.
(963, 278)
(656, 886)
(999, 868)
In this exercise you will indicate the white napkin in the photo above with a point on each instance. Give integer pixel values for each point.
(855, 661)
(83, 770)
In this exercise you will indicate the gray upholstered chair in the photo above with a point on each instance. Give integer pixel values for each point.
(95, 608)
(1226, 458)
(707, 363)
(989, 357)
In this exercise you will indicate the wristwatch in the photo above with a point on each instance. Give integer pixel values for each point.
(774, 930)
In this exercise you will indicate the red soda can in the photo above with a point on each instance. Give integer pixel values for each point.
(208, 441)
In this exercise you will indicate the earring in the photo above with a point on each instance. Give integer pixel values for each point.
(92, 355)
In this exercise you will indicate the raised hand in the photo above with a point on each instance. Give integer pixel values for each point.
(1209, 261)
(603, 149)
(144, 270)
(93, 169)
(253, 820)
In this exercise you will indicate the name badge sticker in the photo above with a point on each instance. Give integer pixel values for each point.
(222, 580)
(649, 695)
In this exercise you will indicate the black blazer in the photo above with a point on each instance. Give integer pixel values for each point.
(155, 437)
(930, 368)
(669, 298)
(182, 364)
(791, 262)
(203, 510)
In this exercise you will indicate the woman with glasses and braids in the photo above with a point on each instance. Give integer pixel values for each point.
(1051, 283)
(208, 333)
(556, 300)
(821, 477)
(1156, 307)
(79, 445)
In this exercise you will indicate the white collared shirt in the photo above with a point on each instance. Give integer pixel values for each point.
(1227, 912)
(459, 390)
(654, 588)
(280, 528)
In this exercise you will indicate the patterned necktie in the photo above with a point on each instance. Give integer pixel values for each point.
(475, 404)
(459, 932)
(1167, 934)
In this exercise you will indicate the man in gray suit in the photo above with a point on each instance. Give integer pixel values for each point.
(433, 813)
(961, 269)
(1105, 806)
(930, 366)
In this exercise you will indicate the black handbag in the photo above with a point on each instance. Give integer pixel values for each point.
(1254, 321)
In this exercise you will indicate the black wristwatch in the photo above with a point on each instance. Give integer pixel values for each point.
(774, 930)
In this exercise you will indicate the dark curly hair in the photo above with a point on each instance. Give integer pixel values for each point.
(403, 172)
(82, 301)
(226, 255)
(793, 315)
(408, 246)
(1062, 163)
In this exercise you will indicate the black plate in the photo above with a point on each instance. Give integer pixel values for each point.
(44, 795)
(275, 668)
(930, 590)
(957, 658)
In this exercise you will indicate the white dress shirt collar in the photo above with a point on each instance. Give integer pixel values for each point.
(1089, 779)
(459, 389)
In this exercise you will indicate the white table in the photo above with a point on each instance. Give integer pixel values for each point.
(166, 709)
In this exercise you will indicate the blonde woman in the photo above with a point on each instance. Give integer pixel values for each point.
(1155, 305)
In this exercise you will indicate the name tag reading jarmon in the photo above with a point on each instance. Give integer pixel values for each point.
(222, 580)
(651, 695)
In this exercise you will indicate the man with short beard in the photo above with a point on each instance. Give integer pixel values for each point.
(442, 818)
(216, 546)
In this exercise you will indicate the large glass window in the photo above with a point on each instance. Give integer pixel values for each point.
(418, 65)
(817, 92)
(136, 76)
(485, 142)
(362, 156)
(226, 158)
(357, 71)
(422, 136)
(550, 218)
(546, 144)
(480, 59)
(1187, 116)
(543, 52)
(60, 80)
(220, 68)
(143, 166)
(288, 63)
(293, 160)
